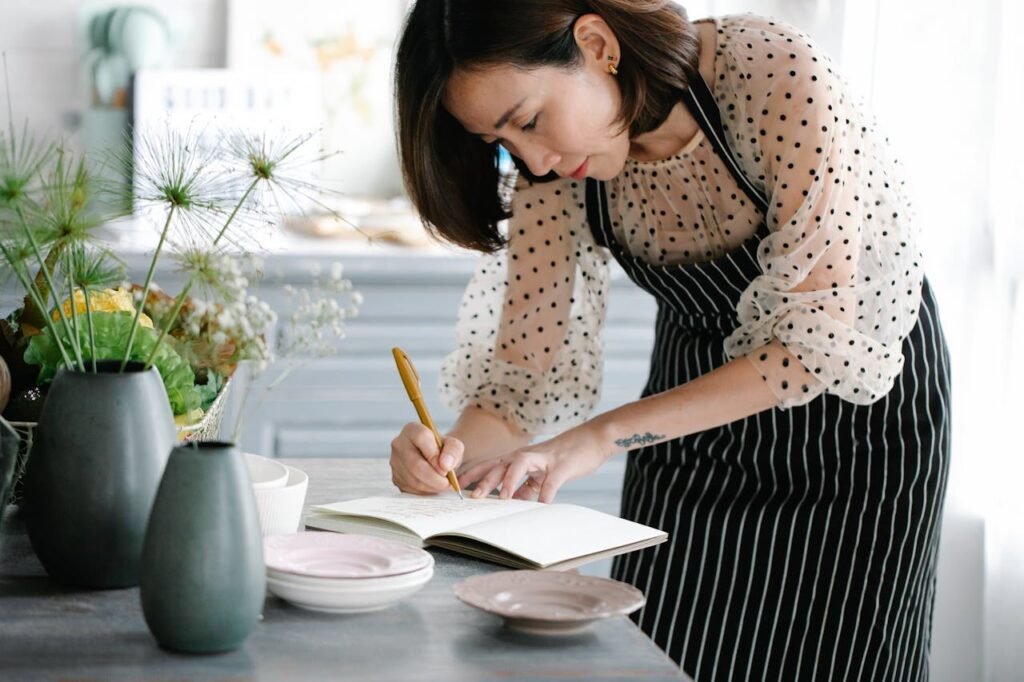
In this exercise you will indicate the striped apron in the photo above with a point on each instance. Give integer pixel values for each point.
(802, 542)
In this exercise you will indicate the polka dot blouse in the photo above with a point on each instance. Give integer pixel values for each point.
(840, 279)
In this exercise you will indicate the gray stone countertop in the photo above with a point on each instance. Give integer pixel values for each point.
(49, 632)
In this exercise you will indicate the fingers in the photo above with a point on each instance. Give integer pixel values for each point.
(528, 490)
(414, 456)
(451, 455)
(517, 469)
(505, 473)
(417, 476)
(423, 439)
(552, 483)
(490, 480)
(475, 472)
(544, 476)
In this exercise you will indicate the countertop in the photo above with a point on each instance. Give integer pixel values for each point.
(50, 632)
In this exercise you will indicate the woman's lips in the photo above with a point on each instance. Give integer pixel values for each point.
(580, 172)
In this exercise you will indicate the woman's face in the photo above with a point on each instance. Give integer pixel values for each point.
(553, 119)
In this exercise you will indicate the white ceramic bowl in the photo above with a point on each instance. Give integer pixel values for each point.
(345, 595)
(266, 472)
(281, 508)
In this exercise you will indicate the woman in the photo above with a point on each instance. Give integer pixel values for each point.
(793, 435)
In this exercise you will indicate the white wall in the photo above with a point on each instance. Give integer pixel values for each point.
(44, 54)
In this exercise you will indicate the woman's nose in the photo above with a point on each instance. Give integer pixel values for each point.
(539, 160)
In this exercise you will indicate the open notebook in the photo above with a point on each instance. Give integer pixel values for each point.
(510, 532)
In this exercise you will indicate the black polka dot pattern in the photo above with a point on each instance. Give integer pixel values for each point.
(841, 269)
(529, 330)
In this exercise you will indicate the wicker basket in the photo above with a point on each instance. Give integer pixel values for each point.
(207, 428)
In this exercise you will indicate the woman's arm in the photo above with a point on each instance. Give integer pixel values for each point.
(486, 436)
(735, 390)
(528, 357)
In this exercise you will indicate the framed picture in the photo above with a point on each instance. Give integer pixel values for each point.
(215, 105)
(349, 45)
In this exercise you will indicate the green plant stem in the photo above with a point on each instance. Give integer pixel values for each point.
(145, 288)
(180, 300)
(30, 288)
(292, 364)
(92, 334)
(237, 433)
(280, 377)
(238, 206)
(53, 287)
(50, 263)
(31, 313)
(74, 311)
(166, 327)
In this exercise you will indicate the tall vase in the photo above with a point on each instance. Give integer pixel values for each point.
(99, 451)
(203, 581)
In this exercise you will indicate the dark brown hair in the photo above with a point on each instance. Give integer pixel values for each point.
(452, 176)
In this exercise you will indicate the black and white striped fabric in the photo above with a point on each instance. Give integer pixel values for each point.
(802, 542)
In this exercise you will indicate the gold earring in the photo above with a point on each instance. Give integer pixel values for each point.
(611, 66)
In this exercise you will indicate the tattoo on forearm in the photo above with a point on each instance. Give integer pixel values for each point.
(638, 439)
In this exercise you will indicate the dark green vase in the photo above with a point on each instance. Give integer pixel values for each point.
(203, 582)
(98, 454)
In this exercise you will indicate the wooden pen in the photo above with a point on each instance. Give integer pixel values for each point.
(411, 381)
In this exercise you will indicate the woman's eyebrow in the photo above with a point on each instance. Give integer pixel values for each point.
(508, 114)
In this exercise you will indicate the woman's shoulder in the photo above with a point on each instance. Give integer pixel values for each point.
(750, 40)
(750, 25)
(760, 57)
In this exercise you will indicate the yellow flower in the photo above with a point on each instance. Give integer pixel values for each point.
(107, 301)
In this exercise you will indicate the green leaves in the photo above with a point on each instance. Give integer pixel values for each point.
(111, 330)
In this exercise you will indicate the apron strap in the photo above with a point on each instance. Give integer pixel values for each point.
(701, 104)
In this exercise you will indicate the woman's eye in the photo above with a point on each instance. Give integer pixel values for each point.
(532, 124)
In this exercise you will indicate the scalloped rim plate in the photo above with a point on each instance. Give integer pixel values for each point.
(549, 602)
(337, 555)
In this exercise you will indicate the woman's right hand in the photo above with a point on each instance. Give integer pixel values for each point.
(417, 466)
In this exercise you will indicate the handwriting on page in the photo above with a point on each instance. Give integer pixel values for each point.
(406, 508)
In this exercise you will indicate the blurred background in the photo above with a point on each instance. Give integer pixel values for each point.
(944, 78)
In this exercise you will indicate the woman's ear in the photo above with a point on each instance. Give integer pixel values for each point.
(596, 41)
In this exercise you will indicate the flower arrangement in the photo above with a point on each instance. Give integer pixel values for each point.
(208, 202)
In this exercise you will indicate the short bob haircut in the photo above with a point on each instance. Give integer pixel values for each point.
(452, 177)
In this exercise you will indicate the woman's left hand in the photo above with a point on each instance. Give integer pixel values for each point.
(547, 466)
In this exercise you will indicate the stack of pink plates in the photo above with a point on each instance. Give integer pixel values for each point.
(341, 573)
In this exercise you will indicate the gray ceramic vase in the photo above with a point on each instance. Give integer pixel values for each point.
(98, 454)
(203, 581)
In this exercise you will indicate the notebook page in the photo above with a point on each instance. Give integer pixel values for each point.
(426, 515)
(553, 533)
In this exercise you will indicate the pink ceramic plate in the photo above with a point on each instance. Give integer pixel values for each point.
(549, 602)
(336, 555)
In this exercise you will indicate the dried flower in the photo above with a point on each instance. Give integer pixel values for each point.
(319, 315)
(177, 180)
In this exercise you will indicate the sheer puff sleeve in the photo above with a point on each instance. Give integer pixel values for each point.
(841, 281)
(529, 327)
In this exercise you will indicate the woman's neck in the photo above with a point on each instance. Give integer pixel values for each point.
(675, 133)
